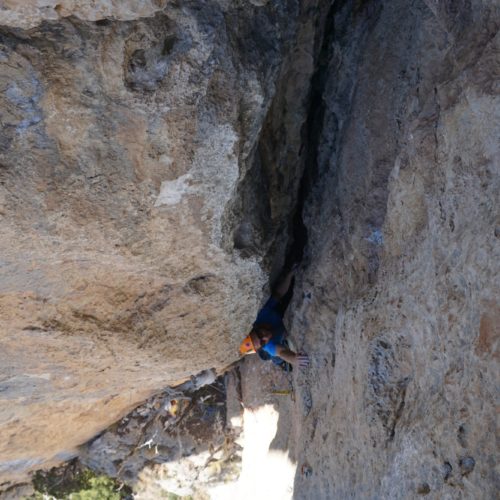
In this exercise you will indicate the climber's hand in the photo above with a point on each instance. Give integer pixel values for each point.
(302, 360)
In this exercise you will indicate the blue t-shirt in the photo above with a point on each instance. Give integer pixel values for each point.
(270, 315)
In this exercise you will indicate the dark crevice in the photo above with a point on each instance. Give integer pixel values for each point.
(267, 222)
(311, 135)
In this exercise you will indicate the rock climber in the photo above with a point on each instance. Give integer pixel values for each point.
(268, 337)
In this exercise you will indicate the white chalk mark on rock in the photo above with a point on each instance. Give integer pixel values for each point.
(171, 192)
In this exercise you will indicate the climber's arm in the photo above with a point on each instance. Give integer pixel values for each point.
(298, 359)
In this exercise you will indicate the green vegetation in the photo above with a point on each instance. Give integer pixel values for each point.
(73, 482)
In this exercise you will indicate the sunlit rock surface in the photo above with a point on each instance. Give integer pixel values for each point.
(29, 13)
(154, 172)
(124, 147)
(398, 303)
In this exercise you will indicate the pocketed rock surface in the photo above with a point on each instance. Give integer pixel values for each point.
(155, 172)
(397, 304)
(127, 132)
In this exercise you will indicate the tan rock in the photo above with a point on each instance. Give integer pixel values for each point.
(121, 157)
(397, 305)
(29, 13)
(149, 173)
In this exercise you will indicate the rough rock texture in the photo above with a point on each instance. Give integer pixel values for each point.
(153, 171)
(179, 441)
(127, 261)
(397, 303)
(29, 13)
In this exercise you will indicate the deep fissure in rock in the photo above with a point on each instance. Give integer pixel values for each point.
(270, 216)
(311, 133)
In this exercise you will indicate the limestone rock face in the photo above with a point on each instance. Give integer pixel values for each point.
(398, 301)
(126, 260)
(160, 160)
(29, 13)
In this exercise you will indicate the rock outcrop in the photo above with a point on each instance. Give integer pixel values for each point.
(129, 132)
(30, 13)
(398, 300)
(158, 165)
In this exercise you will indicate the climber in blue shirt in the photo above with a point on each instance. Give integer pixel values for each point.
(268, 334)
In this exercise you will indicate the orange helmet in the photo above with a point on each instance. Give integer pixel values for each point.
(247, 346)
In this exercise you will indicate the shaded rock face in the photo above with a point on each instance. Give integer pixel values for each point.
(181, 437)
(398, 298)
(128, 261)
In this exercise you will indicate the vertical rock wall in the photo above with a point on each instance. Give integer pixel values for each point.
(158, 160)
(398, 301)
(128, 129)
